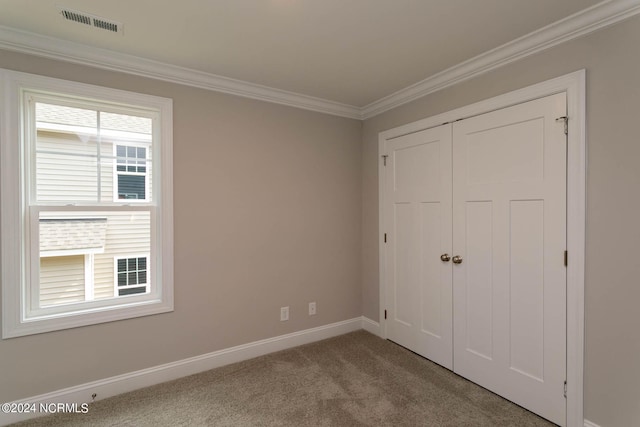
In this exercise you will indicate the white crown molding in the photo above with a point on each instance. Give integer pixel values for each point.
(584, 22)
(579, 24)
(49, 47)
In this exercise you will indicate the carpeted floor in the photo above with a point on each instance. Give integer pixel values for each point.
(355, 379)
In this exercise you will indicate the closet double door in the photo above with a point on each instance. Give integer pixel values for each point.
(475, 228)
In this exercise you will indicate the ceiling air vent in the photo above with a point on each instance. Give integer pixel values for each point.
(91, 20)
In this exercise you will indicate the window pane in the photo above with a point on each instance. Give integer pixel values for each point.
(142, 277)
(122, 279)
(142, 263)
(133, 278)
(66, 154)
(131, 186)
(65, 177)
(71, 241)
(75, 156)
(131, 291)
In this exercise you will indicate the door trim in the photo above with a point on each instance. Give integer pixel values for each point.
(574, 85)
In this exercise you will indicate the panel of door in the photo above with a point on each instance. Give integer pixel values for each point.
(418, 203)
(509, 228)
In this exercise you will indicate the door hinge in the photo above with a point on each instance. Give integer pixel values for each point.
(385, 314)
(566, 123)
(385, 237)
(565, 389)
(566, 258)
(384, 159)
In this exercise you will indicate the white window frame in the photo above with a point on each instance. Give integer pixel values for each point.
(18, 221)
(116, 288)
(116, 173)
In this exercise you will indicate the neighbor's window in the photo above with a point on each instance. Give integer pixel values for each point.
(86, 184)
(132, 276)
(131, 167)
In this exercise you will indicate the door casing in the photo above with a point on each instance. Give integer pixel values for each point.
(574, 86)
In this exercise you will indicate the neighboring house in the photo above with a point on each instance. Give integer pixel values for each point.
(103, 157)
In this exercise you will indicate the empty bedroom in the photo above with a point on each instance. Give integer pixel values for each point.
(319, 213)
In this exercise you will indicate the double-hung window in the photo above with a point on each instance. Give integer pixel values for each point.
(86, 204)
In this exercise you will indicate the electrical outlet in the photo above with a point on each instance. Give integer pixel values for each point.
(312, 308)
(284, 313)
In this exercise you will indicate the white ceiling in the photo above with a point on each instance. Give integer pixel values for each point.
(353, 52)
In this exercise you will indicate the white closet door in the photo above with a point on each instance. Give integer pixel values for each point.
(509, 227)
(418, 225)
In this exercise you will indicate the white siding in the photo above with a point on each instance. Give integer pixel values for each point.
(128, 234)
(61, 279)
(66, 173)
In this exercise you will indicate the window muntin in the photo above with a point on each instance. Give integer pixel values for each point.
(59, 173)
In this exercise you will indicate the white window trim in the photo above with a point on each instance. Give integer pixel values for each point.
(14, 262)
(115, 272)
(149, 169)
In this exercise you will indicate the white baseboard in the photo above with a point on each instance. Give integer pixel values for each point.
(158, 374)
(588, 423)
(370, 326)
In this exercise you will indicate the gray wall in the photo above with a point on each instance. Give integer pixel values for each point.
(267, 213)
(612, 60)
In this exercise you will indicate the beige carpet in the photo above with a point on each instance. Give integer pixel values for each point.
(355, 379)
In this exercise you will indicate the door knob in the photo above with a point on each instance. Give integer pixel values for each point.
(457, 259)
(445, 257)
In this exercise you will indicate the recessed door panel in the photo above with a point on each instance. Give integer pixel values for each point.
(430, 263)
(526, 287)
(478, 301)
(404, 281)
(417, 171)
(511, 152)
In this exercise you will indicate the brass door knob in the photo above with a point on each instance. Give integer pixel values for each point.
(445, 257)
(457, 259)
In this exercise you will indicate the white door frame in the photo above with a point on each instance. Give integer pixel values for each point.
(574, 85)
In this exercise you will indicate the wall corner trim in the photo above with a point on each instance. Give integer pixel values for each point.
(124, 383)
